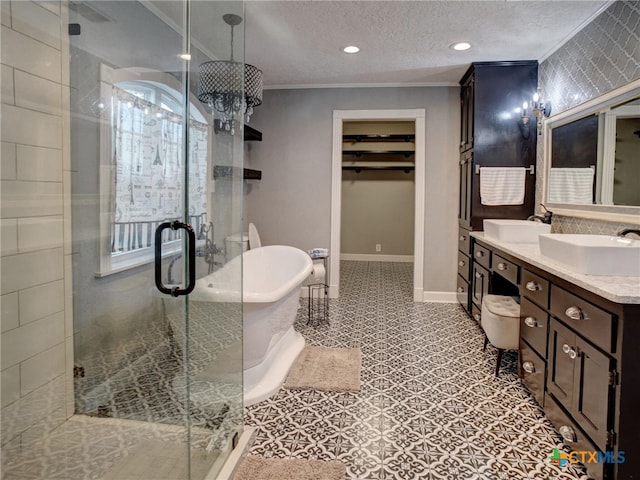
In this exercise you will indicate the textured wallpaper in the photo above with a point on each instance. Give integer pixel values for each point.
(602, 56)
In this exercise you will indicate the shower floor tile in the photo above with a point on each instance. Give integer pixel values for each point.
(430, 406)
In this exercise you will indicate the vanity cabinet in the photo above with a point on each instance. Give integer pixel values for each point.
(578, 356)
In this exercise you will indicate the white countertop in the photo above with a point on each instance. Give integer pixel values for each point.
(618, 289)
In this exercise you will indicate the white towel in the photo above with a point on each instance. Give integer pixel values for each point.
(571, 185)
(502, 185)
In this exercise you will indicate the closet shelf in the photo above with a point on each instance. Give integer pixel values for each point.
(359, 168)
(221, 171)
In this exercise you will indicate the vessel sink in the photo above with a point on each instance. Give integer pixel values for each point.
(593, 254)
(514, 231)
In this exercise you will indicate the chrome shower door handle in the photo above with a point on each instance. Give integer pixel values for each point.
(191, 237)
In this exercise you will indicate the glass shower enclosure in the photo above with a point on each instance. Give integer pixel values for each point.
(149, 381)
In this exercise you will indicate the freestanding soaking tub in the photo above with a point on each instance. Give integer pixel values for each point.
(272, 277)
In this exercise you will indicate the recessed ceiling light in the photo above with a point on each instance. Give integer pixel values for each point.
(460, 46)
(351, 49)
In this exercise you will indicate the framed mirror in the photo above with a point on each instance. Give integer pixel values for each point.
(592, 158)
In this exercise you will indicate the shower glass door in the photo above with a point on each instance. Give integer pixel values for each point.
(160, 372)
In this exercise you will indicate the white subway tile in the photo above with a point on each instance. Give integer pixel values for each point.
(36, 22)
(39, 164)
(10, 385)
(30, 199)
(10, 311)
(8, 88)
(8, 167)
(52, 6)
(39, 233)
(8, 236)
(37, 93)
(68, 200)
(30, 269)
(69, 386)
(42, 368)
(41, 301)
(29, 55)
(31, 339)
(68, 296)
(5, 13)
(34, 409)
(21, 125)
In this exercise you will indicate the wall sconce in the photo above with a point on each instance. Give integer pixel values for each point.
(540, 108)
(525, 117)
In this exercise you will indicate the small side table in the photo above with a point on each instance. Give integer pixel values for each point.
(319, 298)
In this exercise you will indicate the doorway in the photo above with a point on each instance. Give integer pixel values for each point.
(417, 116)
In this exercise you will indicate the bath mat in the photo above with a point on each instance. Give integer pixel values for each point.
(329, 369)
(254, 467)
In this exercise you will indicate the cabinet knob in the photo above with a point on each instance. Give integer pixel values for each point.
(569, 351)
(566, 348)
(575, 313)
(528, 367)
(533, 286)
(460, 289)
(478, 275)
(461, 263)
(462, 238)
(477, 317)
(502, 266)
(567, 433)
(531, 322)
(480, 254)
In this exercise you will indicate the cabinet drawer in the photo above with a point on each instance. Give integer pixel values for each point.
(531, 369)
(463, 266)
(507, 269)
(482, 255)
(535, 288)
(464, 240)
(593, 323)
(573, 436)
(533, 326)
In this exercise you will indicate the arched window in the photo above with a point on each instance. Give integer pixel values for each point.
(147, 165)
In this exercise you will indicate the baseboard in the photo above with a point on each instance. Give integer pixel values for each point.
(440, 297)
(372, 257)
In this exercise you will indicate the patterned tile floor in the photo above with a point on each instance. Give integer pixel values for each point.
(430, 406)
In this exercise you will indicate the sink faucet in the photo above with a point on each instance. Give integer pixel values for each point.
(546, 218)
(625, 231)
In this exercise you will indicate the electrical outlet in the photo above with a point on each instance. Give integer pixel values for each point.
(378, 247)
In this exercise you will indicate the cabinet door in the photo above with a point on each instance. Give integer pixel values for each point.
(479, 283)
(593, 393)
(562, 359)
(466, 113)
(464, 205)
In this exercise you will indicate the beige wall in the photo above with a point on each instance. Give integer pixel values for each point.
(377, 208)
(37, 346)
(292, 202)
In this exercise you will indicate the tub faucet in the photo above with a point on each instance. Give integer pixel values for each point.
(545, 218)
(625, 231)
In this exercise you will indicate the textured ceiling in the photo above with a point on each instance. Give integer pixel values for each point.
(298, 43)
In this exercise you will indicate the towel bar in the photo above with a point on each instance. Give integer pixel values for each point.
(531, 168)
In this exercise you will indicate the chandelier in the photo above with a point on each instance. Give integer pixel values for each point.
(221, 85)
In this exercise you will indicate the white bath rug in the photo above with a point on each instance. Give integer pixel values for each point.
(254, 467)
(328, 369)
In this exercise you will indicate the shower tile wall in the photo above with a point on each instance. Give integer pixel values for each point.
(602, 56)
(35, 218)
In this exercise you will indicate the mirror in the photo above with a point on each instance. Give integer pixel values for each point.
(592, 158)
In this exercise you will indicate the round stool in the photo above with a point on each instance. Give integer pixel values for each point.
(500, 321)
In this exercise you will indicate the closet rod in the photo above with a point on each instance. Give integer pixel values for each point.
(359, 169)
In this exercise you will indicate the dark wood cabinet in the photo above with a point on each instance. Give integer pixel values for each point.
(578, 356)
(494, 134)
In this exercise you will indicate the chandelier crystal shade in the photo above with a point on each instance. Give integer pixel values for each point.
(229, 87)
